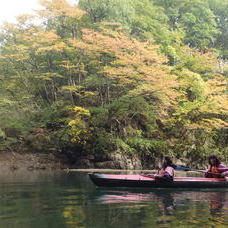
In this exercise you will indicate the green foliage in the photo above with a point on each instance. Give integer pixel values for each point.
(122, 146)
(130, 111)
(148, 147)
(193, 84)
(137, 76)
(107, 10)
(101, 144)
(2, 133)
(149, 22)
(220, 9)
(195, 18)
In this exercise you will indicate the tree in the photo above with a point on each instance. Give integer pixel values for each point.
(131, 82)
(195, 18)
(220, 9)
(106, 10)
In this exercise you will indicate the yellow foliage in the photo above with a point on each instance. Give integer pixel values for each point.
(48, 76)
(16, 53)
(46, 37)
(78, 129)
(73, 214)
(216, 93)
(68, 65)
(75, 88)
(134, 63)
(60, 8)
(199, 61)
(80, 111)
(208, 124)
(216, 85)
(25, 18)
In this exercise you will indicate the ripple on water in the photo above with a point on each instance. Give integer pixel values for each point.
(70, 200)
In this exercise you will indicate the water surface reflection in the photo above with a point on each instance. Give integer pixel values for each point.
(70, 200)
(176, 208)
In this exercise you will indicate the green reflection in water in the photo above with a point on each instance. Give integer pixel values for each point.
(70, 200)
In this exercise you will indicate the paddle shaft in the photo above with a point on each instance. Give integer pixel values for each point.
(203, 171)
(184, 168)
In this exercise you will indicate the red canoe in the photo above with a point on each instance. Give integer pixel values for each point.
(144, 181)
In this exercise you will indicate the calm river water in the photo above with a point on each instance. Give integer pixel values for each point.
(69, 200)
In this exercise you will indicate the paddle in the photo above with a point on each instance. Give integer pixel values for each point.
(181, 168)
(184, 168)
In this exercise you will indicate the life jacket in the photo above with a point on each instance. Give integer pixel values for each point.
(214, 170)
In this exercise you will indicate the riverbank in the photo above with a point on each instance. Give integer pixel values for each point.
(42, 161)
(10, 161)
(30, 161)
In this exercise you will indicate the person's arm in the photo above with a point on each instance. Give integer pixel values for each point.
(207, 172)
(225, 174)
(159, 173)
(222, 168)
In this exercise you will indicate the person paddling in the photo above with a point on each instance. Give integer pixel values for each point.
(216, 169)
(166, 173)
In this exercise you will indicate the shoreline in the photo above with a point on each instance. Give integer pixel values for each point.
(30, 161)
(26, 162)
(138, 171)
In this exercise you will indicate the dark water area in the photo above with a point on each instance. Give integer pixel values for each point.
(59, 199)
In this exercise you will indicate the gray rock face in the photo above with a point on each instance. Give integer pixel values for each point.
(83, 164)
(107, 165)
(115, 161)
(126, 161)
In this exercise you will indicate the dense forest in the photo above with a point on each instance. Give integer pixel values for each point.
(108, 80)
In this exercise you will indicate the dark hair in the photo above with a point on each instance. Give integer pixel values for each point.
(215, 158)
(167, 162)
